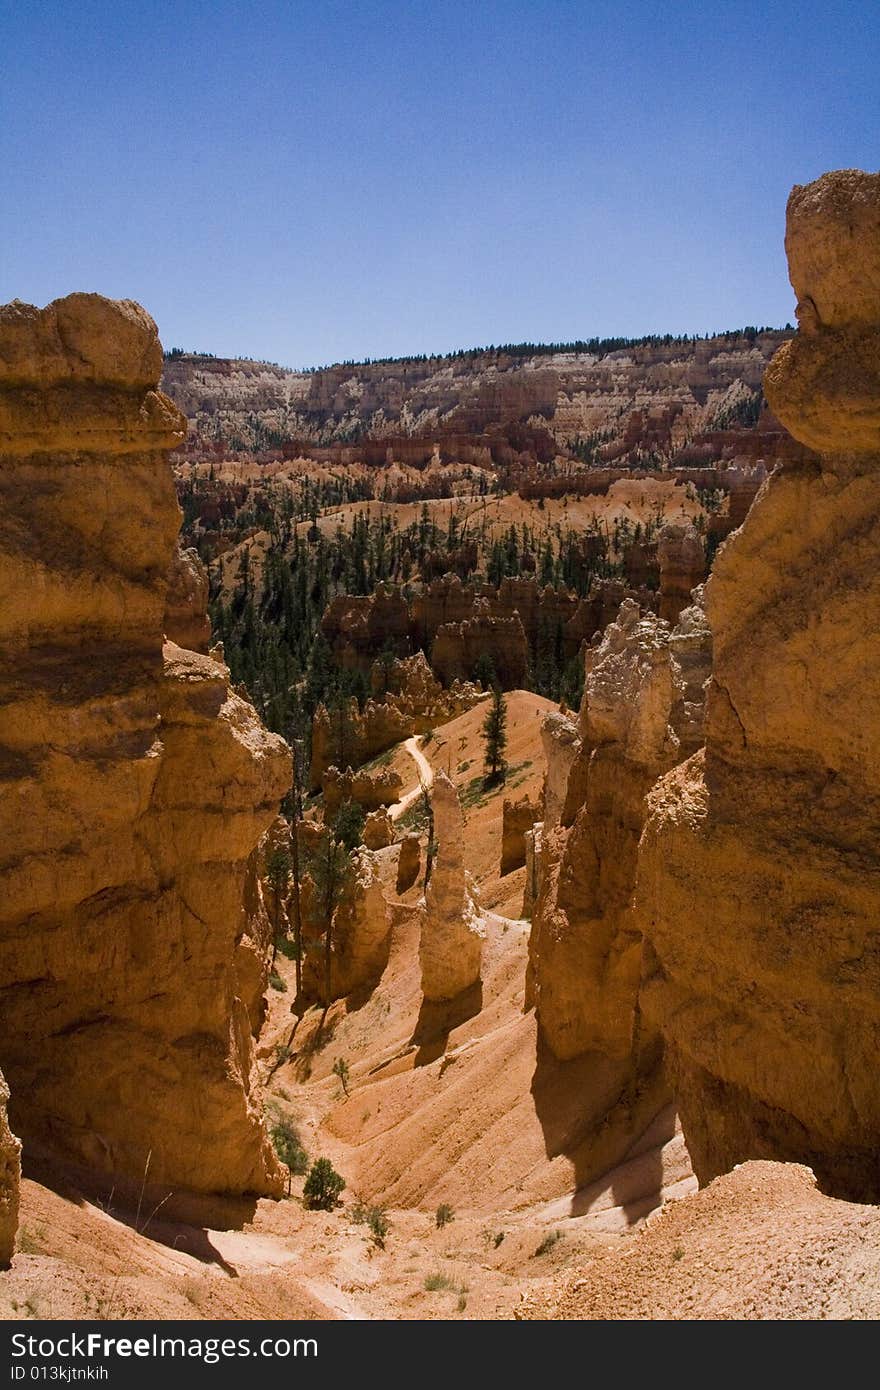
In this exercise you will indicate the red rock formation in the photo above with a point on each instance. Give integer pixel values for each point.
(136, 782)
(415, 702)
(378, 830)
(644, 400)
(357, 628)
(459, 646)
(585, 947)
(360, 921)
(759, 865)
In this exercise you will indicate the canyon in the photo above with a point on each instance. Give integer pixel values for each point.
(594, 1035)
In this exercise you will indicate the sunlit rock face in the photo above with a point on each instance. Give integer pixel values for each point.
(759, 888)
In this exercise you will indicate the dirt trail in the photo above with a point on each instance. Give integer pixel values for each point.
(426, 773)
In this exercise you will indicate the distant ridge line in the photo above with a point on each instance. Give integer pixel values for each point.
(600, 346)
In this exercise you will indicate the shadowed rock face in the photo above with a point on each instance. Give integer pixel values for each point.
(451, 940)
(10, 1175)
(758, 876)
(135, 782)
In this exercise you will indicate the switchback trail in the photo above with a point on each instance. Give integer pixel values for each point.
(426, 773)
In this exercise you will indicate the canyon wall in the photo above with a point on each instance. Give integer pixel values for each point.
(639, 400)
(759, 890)
(135, 782)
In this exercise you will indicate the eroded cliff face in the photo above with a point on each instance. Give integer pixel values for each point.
(642, 399)
(758, 883)
(135, 782)
(10, 1177)
(585, 944)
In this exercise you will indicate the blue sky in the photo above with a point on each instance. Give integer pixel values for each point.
(311, 182)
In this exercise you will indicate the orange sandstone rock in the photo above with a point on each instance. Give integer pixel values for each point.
(136, 783)
(758, 871)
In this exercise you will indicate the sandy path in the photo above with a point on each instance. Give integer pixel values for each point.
(426, 773)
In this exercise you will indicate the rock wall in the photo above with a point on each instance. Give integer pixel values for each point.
(451, 941)
(585, 945)
(459, 646)
(135, 785)
(10, 1177)
(642, 399)
(759, 888)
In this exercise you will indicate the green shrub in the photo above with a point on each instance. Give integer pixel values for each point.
(288, 1146)
(276, 982)
(435, 1282)
(323, 1186)
(444, 1215)
(376, 1217)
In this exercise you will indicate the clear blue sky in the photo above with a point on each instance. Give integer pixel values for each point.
(310, 182)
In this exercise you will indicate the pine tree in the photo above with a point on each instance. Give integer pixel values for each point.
(495, 738)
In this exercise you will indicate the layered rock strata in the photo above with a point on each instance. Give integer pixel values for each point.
(451, 940)
(135, 782)
(759, 888)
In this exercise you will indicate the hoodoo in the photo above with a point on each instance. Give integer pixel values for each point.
(135, 782)
(759, 884)
(451, 937)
